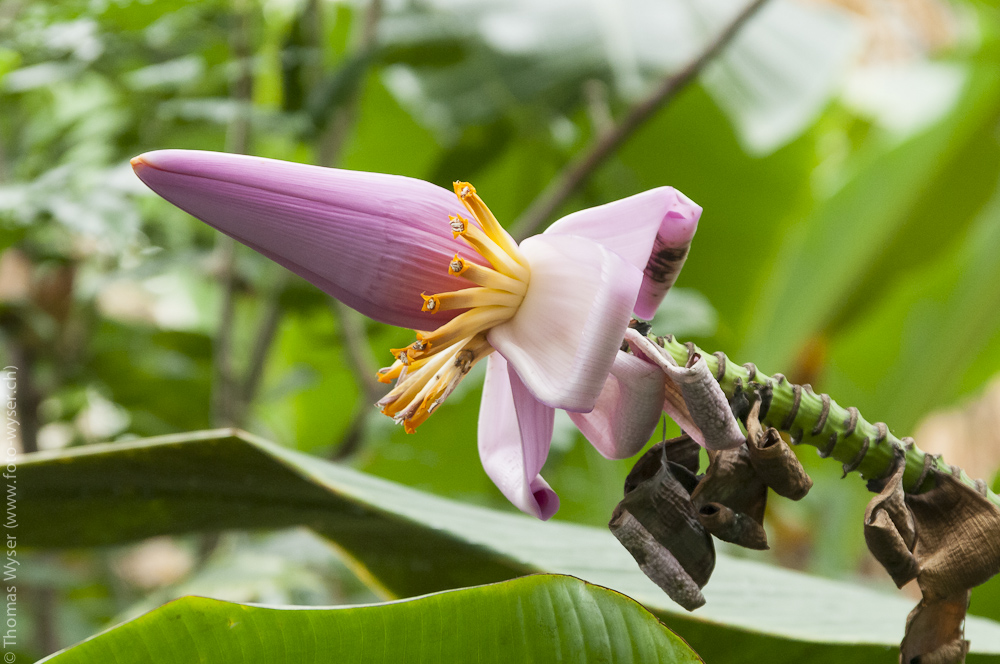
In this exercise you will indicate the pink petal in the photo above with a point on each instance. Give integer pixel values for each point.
(651, 230)
(514, 435)
(371, 240)
(563, 339)
(628, 409)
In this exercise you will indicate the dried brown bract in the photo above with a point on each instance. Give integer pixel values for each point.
(948, 539)
(890, 531)
(669, 512)
(731, 499)
(658, 525)
(694, 398)
(935, 632)
(774, 460)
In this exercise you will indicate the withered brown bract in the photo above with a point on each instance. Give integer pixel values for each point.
(948, 539)
(731, 499)
(774, 460)
(658, 525)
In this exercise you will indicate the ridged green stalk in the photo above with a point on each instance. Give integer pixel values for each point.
(841, 434)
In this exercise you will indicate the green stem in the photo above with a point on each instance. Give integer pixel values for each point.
(842, 434)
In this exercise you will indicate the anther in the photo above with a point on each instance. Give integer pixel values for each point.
(458, 225)
(457, 266)
(430, 304)
(464, 360)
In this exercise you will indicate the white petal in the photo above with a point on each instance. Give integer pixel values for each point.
(563, 339)
(514, 435)
(628, 409)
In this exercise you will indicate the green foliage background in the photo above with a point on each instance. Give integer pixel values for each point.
(848, 252)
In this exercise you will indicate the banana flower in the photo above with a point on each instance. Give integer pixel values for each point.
(548, 314)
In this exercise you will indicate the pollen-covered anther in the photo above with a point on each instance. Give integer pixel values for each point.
(428, 370)
(471, 298)
(404, 356)
(497, 240)
(464, 360)
(431, 304)
(421, 390)
(458, 225)
(457, 266)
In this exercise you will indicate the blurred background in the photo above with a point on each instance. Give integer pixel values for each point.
(846, 153)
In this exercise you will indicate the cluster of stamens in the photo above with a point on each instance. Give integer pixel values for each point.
(430, 368)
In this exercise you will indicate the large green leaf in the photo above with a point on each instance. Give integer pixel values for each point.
(415, 543)
(934, 339)
(883, 221)
(535, 619)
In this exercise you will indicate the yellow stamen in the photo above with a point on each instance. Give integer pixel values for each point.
(469, 298)
(491, 251)
(412, 401)
(402, 355)
(406, 354)
(410, 425)
(475, 205)
(460, 327)
(410, 385)
(484, 276)
(430, 368)
(391, 373)
(447, 378)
